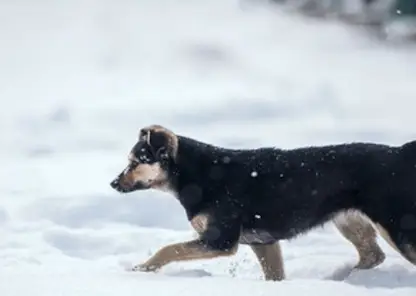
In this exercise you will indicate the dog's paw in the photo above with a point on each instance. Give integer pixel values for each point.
(145, 267)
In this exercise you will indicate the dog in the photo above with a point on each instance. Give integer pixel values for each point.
(258, 197)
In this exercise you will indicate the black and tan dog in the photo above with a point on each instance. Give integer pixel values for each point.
(258, 197)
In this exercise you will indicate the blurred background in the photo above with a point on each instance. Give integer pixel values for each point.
(387, 18)
(79, 78)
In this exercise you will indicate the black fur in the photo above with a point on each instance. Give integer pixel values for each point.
(271, 194)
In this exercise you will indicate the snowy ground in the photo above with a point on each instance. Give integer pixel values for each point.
(79, 78)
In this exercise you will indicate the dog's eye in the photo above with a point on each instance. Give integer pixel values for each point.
(143, 154)
(145, 158)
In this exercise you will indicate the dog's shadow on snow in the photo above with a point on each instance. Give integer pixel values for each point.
(395, 276)
(189, 273)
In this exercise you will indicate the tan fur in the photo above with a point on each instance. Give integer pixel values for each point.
(269, 256)
(200, 223)
(271, 261)
(149, 174)
(146, 132)
(181, 252)
(358, 229)
(353, 225)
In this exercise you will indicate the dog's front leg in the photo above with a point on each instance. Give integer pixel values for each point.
(218, 236)
(186, 251)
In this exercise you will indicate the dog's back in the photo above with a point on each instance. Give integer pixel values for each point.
(306, 187)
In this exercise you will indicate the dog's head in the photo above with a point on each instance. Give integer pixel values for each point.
(149, 161)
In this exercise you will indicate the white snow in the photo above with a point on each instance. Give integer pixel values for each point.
(80, 77)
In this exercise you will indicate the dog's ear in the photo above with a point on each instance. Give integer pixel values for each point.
(155, 138)
(144, 135)
(162, 141)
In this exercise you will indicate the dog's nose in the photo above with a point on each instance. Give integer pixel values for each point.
(115, 183)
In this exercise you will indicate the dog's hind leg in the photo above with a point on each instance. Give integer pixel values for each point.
(357, 228)
(271, 261)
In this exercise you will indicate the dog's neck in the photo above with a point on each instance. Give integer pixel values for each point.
(190, 171)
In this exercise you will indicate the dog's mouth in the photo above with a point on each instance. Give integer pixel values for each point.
(122, 187)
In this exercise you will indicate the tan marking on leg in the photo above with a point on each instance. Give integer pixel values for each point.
(200, 223)
(181, 252)
(358, 229)
(271, 261)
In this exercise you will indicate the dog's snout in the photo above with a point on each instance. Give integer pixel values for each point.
(115, 183)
